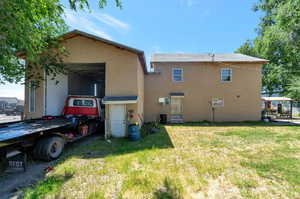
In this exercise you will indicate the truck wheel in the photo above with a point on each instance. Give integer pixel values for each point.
(49, 148)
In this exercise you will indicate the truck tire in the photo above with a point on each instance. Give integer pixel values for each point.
(49, 148)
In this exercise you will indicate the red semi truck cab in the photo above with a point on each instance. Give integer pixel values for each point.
(83, 106)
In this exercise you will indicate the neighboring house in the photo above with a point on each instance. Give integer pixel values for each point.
(2, 106)
(11, 101)
(182, 86)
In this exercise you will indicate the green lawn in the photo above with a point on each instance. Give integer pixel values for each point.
(225, 160)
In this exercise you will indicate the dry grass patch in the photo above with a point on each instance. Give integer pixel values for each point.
(198, 160)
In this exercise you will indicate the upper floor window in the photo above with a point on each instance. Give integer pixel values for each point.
(226, 75)
(177, 74)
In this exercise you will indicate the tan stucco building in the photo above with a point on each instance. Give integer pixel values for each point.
(185, 87)
(219, 87)
(116, 69)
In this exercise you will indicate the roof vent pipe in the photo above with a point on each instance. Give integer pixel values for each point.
(213, 57)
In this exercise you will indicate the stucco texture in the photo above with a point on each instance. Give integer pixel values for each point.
(125, 77)
(124, 74)
(201, 83)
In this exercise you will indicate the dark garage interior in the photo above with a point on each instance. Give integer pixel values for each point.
(86, 79)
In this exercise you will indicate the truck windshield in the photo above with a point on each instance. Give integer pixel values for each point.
(81, 102)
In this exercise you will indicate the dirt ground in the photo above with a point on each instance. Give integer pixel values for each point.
(12, 182)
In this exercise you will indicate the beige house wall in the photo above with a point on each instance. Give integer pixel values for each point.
(201, 84)
(141, 80)
(125, 77)
(120, 65)
(123, 72)
(39, 96)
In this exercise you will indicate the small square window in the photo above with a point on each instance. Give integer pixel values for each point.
(177, 74)
(226, 75)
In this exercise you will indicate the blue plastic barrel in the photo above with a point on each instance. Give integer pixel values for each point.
(134, 132)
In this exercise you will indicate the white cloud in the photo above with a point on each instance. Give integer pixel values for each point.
(93, 22)
(82, 21)
(111, 21)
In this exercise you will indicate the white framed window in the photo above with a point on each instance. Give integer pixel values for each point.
(226, 75)
(32, 93)
(177, 74)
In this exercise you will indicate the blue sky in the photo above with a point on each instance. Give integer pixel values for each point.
(166, 26)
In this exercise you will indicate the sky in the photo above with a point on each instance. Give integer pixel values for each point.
(165, 26)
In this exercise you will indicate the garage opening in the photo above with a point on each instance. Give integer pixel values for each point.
(82, 79)
(87, 79)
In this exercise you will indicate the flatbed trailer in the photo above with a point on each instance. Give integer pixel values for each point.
(18, 133)
(24, 135)
(46, 137)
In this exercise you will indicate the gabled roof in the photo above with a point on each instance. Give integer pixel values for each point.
(140, 53)
(75, 33)
(206, 57)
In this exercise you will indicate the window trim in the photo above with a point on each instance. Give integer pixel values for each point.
(230, 74)
(32, 88)
(173, 69)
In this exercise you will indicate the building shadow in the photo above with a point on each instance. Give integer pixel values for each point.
(158, 139)
(93, 146)
(96, 147)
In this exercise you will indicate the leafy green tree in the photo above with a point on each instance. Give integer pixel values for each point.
(248, 49)
(294, 89)
(31, 28)
(278, 41)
